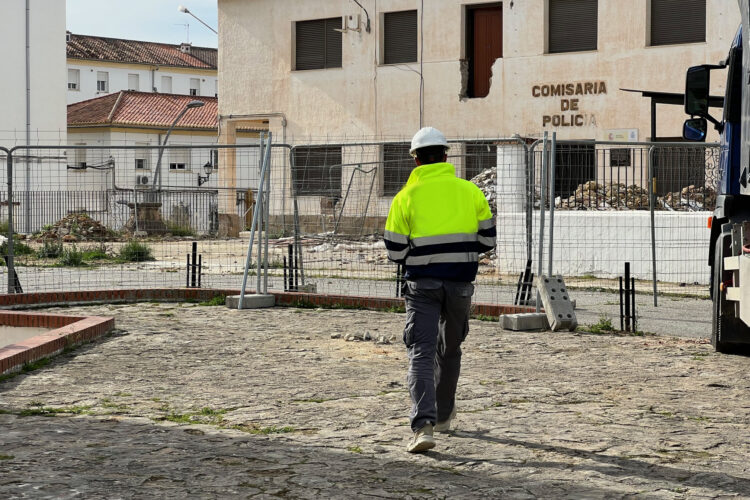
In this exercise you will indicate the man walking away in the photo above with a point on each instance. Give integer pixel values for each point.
(437, 226)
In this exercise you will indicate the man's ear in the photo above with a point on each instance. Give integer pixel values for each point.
(445, 157)
(416, 160)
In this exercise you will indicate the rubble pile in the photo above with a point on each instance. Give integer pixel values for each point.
(690, 198)
(611, 196)
(74, 227)
(487, 182)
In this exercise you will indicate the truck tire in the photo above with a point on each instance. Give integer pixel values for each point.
(724, 324)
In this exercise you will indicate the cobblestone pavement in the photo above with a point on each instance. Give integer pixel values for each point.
(187, 401)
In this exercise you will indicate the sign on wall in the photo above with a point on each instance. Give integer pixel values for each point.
(570, 112)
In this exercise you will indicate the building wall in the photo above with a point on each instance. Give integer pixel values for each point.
(149, 77)
(367, 99)
(47, 72)
(126, 173)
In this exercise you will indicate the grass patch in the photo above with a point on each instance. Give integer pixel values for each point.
(254, 429)
(178, 230)
(19, 249)
(354, 449)
(50, 250)
(71, 257)
(484, 317)
(96, 253)
(218, 300)
(135, 251)
(604, 326)
(6, 457)
(203, 416)
(309, 400)
(47, 411)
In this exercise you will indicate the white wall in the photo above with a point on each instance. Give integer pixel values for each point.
(147, 79)
(48, 74)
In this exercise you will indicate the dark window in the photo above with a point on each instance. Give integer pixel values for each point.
(318, 44)
(575, 164)
(479, 157)
(484, 29)
(317, 171)
(177, 166)
(572, 25)
(620, 157)
(397, 166)
(678, 21)
(400, 37)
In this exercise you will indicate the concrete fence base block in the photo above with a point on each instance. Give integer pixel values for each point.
(557, 304)
(524, 322)
(251, 301)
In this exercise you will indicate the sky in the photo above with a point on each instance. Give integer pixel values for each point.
(147, 20)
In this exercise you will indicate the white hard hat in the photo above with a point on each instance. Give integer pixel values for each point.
(427, 136)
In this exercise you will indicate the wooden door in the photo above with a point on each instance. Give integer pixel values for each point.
(487, 46)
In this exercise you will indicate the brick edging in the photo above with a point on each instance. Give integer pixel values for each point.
(67, 331)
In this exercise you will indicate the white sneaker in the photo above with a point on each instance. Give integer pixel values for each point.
(422, 440)
(445, 425)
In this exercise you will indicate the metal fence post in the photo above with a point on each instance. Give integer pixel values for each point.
(553, 147)
(9, 258)
(651, 195)
(542, 202)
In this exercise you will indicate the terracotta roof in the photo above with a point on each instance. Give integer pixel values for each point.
(100, 48)
(144, 109)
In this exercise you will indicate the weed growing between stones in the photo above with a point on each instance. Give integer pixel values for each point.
(218, 300)
(354, 449)
(47, 411)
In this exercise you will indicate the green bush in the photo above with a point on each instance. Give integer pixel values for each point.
(96, 253)
(136, 251)
(50, 250)
(19, 248)
(71, 257)
(177, 230)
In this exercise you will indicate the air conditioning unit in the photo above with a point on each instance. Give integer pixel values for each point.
(141, 180)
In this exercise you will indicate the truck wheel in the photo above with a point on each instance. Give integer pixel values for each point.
(723, 319)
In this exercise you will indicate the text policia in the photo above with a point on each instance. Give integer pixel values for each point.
(571, 115)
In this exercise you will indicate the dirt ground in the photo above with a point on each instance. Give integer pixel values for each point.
(187, 401)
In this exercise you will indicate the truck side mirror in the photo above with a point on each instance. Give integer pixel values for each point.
(695, 129)
(696, 91)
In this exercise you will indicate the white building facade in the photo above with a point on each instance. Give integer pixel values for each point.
(98, 66)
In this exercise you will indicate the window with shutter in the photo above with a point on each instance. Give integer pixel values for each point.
(318, 44)
(400, 37)
(317, 171)
(397, 166)
(678, 21)
(572, 25)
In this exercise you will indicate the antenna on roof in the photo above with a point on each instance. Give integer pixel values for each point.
(187, 30)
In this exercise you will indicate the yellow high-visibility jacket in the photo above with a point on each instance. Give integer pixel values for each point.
(438, 225)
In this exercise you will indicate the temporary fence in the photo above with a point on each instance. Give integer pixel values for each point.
(86, 212)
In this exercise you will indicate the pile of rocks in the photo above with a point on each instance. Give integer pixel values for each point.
(487, 182)
(611, 196)
(690, 198)
(74, 227)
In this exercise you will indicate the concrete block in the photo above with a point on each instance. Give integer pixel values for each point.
(557, 305)
(524, 322)
(251, 301)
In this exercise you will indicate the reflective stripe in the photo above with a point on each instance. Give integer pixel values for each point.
(486, 224)
(394, 255)
(423, 260)
(396, 237)
(444, 238)
(487, 241)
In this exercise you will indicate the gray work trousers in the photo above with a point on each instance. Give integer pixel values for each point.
(437, 321)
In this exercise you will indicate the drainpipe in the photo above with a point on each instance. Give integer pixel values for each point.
(27, 206)
(260, 116)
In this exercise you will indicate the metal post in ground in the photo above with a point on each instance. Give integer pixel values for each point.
(542, 203)
(627, 296)
(259, 207)
(553, 148)
(253, 225)
(267, 213)
(13, 283)
(651, 203)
